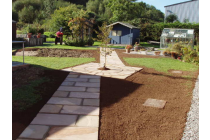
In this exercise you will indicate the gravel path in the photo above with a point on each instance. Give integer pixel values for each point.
(191, 131)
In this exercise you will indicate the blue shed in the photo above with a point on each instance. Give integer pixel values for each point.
(124, 33)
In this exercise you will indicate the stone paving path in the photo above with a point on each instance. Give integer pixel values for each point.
(72, 113)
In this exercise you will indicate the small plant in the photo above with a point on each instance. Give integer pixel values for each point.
(51, 36)
(142, 49)
(128, 47)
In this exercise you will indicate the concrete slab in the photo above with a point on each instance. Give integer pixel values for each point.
(84, 95)
(68, 88)
(55, 119)
(94, 90)
(51, 108)
(61, 93)
(80, 110)
(91, 102)
(64, 101)
(88, 121)
(73, 133)
(34, 132)
(154, 103)
(87, 84)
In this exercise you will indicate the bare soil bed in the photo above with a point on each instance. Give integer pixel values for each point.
(45, 52)
(21, 119)
(122, 115)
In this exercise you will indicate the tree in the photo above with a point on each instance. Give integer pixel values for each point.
(24, 15)
(61, 17)
(171, 18)
(103, 36)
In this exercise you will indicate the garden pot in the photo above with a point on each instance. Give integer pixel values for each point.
(143, 52)
(136, 48)
(38, 36)
(127, 50)
(157, 53)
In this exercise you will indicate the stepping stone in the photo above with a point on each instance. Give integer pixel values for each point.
(76, 79)
(80, 110)
(64, 101)
(91, 102)
(51, 109)
(55, 119)
(88, 121)
(90, 76)
(34, 132)
(66, 88)
(86, 84)
(61, 94)
(95, 80)
(84, 95)
(73, 133)
(154, 103)
(93, 90)
(177, 71)
(72, 76)
(67, 83)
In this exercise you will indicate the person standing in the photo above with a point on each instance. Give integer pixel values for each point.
(59, 37)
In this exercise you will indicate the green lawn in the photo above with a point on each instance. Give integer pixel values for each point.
(161, 64)
(53, 62)
(52, 45)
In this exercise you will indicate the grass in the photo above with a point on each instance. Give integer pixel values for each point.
(52, 45)
(52, 62)
(25, 95)
(161, 64)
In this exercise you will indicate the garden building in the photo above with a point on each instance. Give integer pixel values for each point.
(13, 30)
(187, 11)
(124, 33)
(171, 36)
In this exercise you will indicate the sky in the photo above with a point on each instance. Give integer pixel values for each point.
(159, 4)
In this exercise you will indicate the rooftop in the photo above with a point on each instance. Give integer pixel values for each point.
(180, 3)
(125, 24)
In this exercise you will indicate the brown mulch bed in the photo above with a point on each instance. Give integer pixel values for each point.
(21, 119)
(45, 52)
(122, 115)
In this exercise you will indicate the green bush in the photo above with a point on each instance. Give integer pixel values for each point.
(81, 43)
(51, 36)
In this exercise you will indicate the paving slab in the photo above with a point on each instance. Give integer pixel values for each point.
(76, 80)
(61, 93)
(73, 133)
(90, 76)
(86, 84)
(91, 102)
(64, 101)
(84, 95)
(88, 121)
(155, 103)
(68, 88)
(93, 90)
(51, 108)
(80, 110)
(34, 132)
(67, 84)
(72, 76)
(55, 119)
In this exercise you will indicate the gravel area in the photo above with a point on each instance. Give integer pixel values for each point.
(191, 131)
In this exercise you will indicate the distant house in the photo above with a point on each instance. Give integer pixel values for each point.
(14, 29)
(185, 11)
(124, 33)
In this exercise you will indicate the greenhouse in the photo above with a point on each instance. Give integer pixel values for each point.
(171, 36)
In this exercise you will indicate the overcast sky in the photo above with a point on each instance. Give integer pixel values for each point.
(159, 4)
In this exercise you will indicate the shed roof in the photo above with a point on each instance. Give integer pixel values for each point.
(180, 3)
(13, 21)
(125, 24)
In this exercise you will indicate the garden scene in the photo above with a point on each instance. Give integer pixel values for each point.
(99, 70)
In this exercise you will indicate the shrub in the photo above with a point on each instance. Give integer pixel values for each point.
(51, 36)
